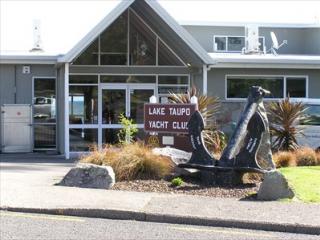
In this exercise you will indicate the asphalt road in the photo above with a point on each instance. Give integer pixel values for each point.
(38, 226)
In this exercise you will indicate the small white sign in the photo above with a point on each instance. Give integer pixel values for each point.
(167, 140)
(26, 69)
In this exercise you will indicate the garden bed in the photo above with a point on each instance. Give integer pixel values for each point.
(191, 187)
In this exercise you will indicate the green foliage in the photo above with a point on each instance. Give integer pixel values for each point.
(128, 130)
(284, 117)
(305, 182)
(208, 106)
(177, 182)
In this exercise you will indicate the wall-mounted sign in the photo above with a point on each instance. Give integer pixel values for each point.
(171, 118)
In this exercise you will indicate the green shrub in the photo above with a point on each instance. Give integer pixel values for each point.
(131, 161)
(284, 118)
(128, 130)
(177, 182)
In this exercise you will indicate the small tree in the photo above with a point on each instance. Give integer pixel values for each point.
(284, 117)
(128, 130)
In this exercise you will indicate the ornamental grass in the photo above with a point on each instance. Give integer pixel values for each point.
(131, 161)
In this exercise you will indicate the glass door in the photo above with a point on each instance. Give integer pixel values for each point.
(139, 95)
(44, 113)
(126, 99)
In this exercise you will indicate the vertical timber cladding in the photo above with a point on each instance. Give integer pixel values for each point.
(167, 118)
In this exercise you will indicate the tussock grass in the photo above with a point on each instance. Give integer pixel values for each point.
(306, 157)
(284, 159)
(131, 161)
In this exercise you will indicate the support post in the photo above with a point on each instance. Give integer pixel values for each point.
(205, 80)
(66, 111)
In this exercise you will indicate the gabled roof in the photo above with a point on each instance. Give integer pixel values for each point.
(98, 29)
(117, 11)
(183, 34)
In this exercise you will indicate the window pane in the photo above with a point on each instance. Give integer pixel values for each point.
(113, 104)
(83, 79)
(44, 102)
(168, 90)
(110, 136)
(83, 104)
(82, 140)
(220, 43)
(235, 43)
(313, 114)
(166, 57)
(238, 87)
(127, 79)
(44, 136)
(296, 87)
(142, 43)
(89, 56)
(113, 42)
(184, 80)
(261, 43)
(138, 97)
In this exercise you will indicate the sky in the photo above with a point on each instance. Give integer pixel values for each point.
(65, 22)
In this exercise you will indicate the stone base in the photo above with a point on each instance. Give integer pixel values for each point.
(89, 176)
(224, 178)
(274, 186)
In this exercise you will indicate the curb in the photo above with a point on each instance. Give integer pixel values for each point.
(174, 219)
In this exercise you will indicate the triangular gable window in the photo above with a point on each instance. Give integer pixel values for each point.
(166, 57)
(128, 41)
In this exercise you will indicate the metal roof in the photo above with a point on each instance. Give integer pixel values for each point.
(265, 60)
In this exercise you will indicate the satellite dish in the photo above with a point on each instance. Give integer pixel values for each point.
(275, 43)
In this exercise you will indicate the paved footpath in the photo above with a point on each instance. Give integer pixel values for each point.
(28, 186)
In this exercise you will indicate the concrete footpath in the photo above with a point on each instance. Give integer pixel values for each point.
(27, 185)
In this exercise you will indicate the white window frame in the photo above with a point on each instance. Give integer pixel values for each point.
(227, 47)
(284, 77)
(99, 126)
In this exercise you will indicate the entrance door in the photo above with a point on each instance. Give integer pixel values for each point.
(126, 99)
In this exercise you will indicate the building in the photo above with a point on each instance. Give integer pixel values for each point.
(139, 50)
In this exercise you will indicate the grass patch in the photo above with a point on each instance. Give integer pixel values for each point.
(305, 182)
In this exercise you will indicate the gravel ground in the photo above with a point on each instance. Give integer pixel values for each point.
(190, 187)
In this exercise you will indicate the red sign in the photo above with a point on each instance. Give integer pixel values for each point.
(171, 118)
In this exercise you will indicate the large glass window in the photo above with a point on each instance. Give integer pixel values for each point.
(44, 113)
(82, 140)
(83, 104)
(113, 42)
(127, 79)
(171, 84)
(128, 41)
(238, 87)
(142, 43)
(89, 56)
(166, 57)
(296, 87)
(232, 43)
